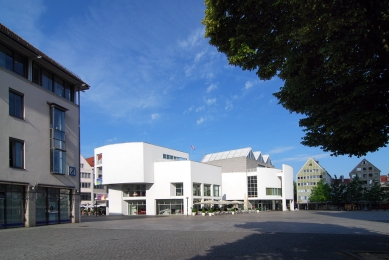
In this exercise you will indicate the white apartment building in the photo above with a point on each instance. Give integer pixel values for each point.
(147, 179)
(39, 136)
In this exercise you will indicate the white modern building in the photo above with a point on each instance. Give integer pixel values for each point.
(147, 179)
(39, 136)
(251, 177)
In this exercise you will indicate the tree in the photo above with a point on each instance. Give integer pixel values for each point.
(337, 191)
(355, 190)
(375, 193)
(320, 193)
(332, 55)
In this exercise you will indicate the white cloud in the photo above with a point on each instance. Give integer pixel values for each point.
(111, 140)
(248, 85)
(229, 106)
(198, 109)
(193, 39)
(211, 87)
(302, 158)
(199, 56)
(281, 149)
(154, 116)
(200, 121)
(210, 101)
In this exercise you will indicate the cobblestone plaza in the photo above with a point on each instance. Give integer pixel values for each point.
(264, 235)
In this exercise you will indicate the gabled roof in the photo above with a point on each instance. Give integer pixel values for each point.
(361, 163)
(258, 157)
(266, 159)
(244, 152)
(310, 159)
(91, 161)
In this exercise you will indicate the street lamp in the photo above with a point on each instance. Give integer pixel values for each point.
(96, 206)
(187, 206)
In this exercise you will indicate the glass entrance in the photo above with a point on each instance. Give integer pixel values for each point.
(53, 206)
(11, 206)
(136, 207)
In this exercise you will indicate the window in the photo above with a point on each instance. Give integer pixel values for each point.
(196, 189)
(207, 190)
(16, 104)
(136, 190)
(85, 184)
(85, 175)
(16, 153)
(100, 186)
(81, 165)
(12, 61)
(274, 191)
(216, 190)
(86, 196)
(52, 83)
(57, 140)
(179, 189)
(252, 186)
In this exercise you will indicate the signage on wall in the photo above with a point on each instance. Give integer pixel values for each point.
(99, 181)
(72, 171)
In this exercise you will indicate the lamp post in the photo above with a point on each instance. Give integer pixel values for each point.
(96, 206)
(187, 206)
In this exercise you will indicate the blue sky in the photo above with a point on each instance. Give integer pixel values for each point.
(154, 78)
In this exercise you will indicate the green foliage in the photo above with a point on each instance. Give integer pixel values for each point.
(355, 190)
(375, 193)
(320, 193)
(337, 191)
(194, 210)
(332, 55)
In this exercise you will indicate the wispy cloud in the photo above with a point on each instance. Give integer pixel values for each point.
(211, 87)
(302, 158)
(154, 116)
(193, 39)
(280, 150)
(200, 120)
(210, 101)
(111, 140)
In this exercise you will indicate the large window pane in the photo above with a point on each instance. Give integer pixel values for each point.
(47, 80)
(15, 104)
(20, 65)
(6, 58)
(16, 153)
(59, 88)
(59, 162)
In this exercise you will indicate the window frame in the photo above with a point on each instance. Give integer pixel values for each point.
(14, 106)
(57, 153)
(12, 153)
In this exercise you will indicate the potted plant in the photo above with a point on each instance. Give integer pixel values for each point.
(233, 211)
(203, 212)
(210, 212)
(194, 212)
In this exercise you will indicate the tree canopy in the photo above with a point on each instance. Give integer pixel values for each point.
(332, 55)
(321, 192)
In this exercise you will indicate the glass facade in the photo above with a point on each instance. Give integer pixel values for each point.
(179, 189)
(168, 207)
(11, 206)
(53, 206)
(135, 190)
(57, 138)
(136, 207)
(252, 188)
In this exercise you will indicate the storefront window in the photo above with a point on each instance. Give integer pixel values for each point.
(11, 206)
(136, 207)
(168, 207)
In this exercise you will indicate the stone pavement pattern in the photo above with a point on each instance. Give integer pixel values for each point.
(265, 235)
